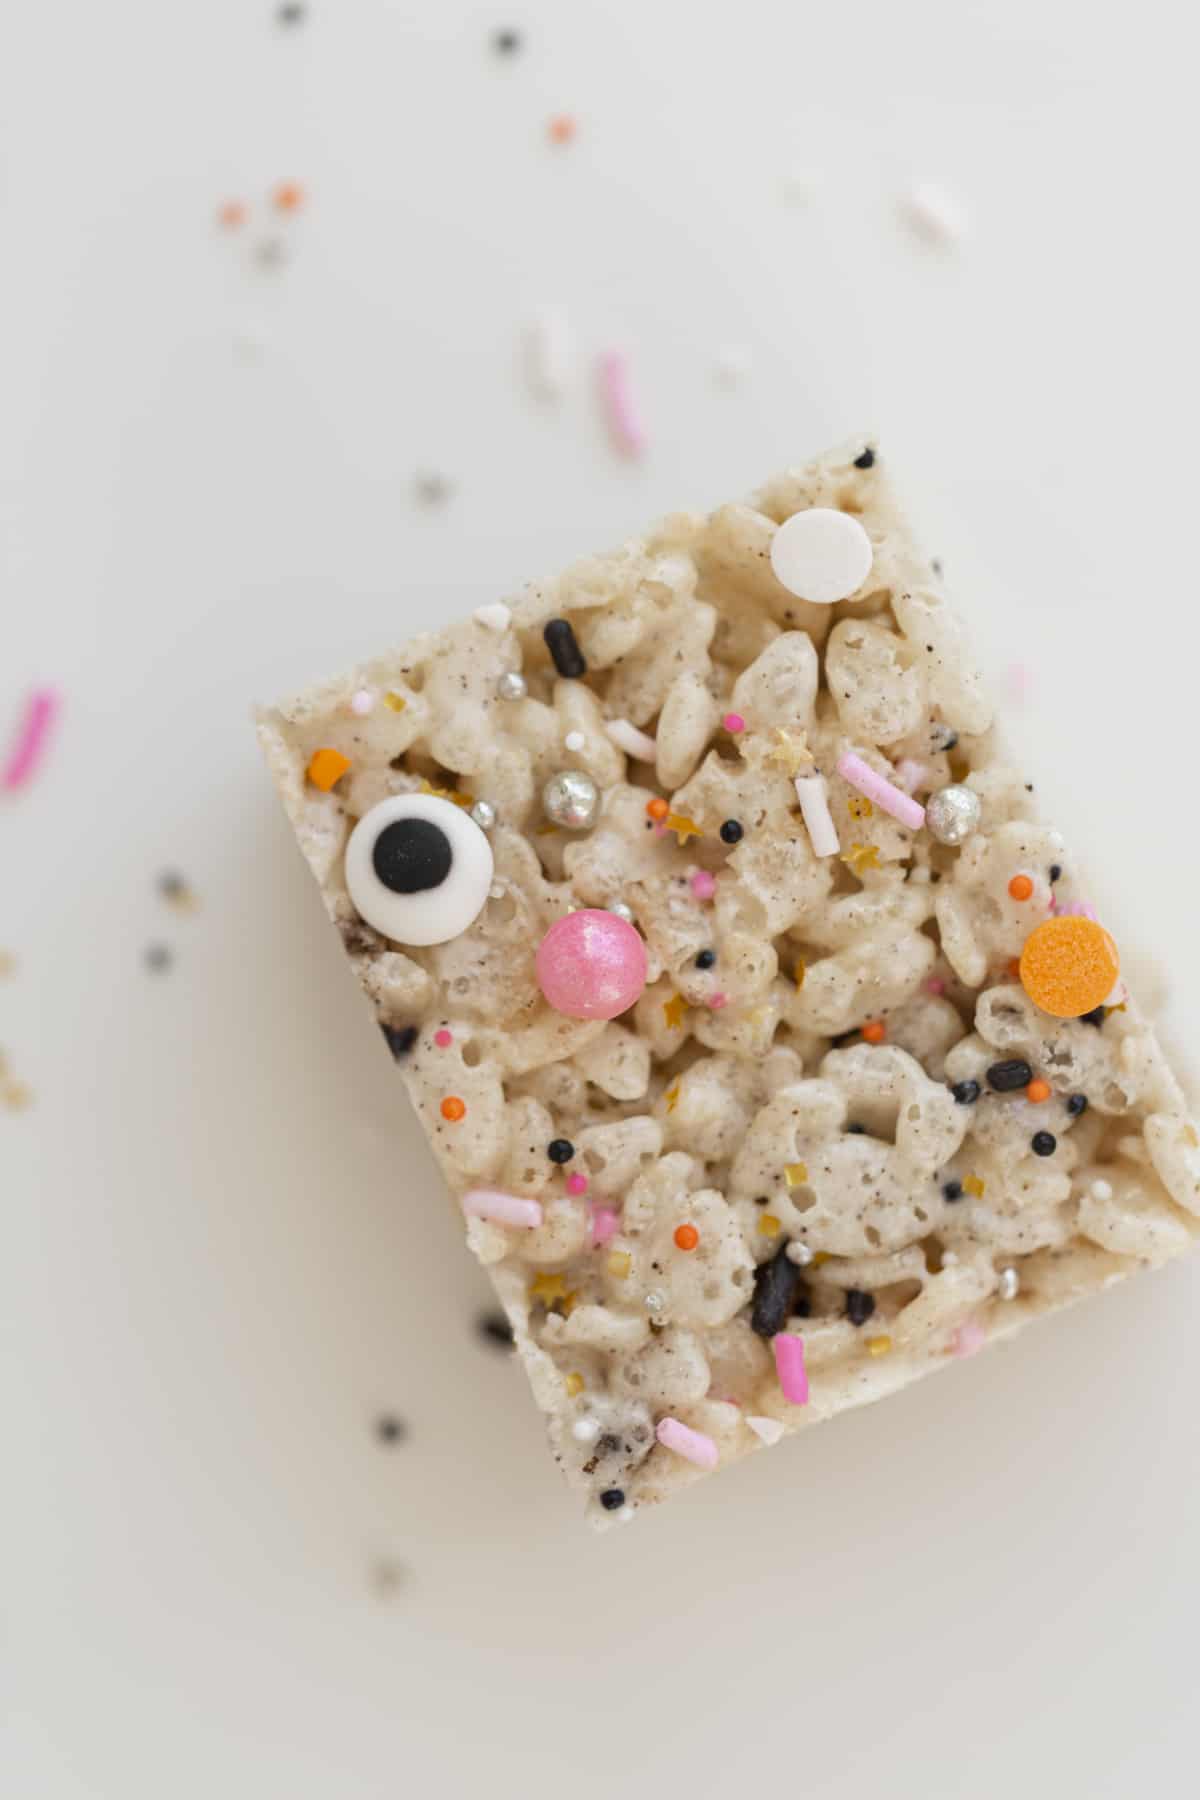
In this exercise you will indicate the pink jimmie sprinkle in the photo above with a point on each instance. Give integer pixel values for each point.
(577, 1184)
(704, 885)
(717, 1001)
(443, 1039)
(1081, 909)
(789, 1366)
(884, 793)
(693, 1446)
(30, 741)
(604, 1225)
(936, 984)
(624, 421)
(734, 722)
(969, 1338)
(502, 1209)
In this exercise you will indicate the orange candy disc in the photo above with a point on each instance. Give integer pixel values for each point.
(1069, 966)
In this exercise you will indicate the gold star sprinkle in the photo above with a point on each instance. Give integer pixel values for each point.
(862, 856)
(672, 1097)
(574, 1384)
(394, 702)
(16, 1096)
(973, 1186)
(682, 827)
(791, 751)
(795, 1174)
(860, 807)
(548, 1288)
(619, 1264)
(768, 1224)
(673, 1011)
(878, 1346)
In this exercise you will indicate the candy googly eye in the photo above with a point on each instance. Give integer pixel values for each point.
(418, 869)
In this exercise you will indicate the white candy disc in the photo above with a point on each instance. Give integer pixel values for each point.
(821, 555)
(418, 869)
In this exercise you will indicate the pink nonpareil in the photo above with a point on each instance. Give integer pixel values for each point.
(591, 965)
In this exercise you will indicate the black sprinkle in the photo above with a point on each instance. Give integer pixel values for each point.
(1055, 871)
(966, 1092)
(291, 14)
(952, 1190)
(567, 656)
(1043, 1143)
(866, 460)
(611, 1498)
(856, 1128)
(506, 43)
(560, 1150)
(1096, 1017)
(731, 832)
(400, 1039)
(859, 1306)
(1076, 1104)
(935, 563)
(775, 1285)
(1007, 1077)
(157, 958)
(390, 1430)
(706, 959)
(172, 886)
(495, 1329)
(802, 1304)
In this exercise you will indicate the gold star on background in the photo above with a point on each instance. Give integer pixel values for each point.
(683, 828)
(862, 856)
(673, 1011)
(791, 751)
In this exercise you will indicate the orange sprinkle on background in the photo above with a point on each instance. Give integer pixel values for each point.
(232, 213)
(686, 1237)
(875, 1032)
(1020, 887)
(657, 808)
(288, 196)
(1069, 966)
(326, 768)
(561, 129)
(453, 1108)
(1037, 1091)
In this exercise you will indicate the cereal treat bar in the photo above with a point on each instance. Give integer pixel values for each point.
(770, 1045)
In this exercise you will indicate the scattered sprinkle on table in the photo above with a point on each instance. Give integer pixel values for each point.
(494, 1329)
(821, 555)
(694, 1446)
(33, 735)
(933, 214)
(506, 43)
(620, 409)
(431, 488)
(176, 891)
(548, 353)
(390, 1430)
(561, 129)
(231, 214)
(292, 14)
(157, 958)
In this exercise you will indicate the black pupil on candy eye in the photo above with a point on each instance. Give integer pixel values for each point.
(411, 855)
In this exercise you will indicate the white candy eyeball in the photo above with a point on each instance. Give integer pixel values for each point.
(418, 869)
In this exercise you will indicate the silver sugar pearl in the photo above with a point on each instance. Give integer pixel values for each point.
(511, 685)
(952, 814)
(622, 911)
(571, 798)
(1010, 1284)
(799, 1253)
(484, 814)
(654, 1302)
(942, 736)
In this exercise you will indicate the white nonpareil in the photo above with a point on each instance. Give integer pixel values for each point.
(821, 555)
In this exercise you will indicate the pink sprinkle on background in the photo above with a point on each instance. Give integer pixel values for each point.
(29, 745)
(717, 1001)
(877, 788)
(935, 984)
(734, 722)
(789, 1366)
(704, 884)
(969, 1338)
(577, 1183)
(443, 1038)
(624, 419)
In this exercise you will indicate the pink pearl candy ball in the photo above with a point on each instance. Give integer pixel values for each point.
(591, 965)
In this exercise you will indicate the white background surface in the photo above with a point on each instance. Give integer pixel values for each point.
(225, 1249)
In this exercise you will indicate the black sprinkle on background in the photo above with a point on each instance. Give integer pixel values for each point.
(495, 1329)
(390, 1430)
(157, 958)
(859, 1306)
(866, 460)
(1006, 1077)
(775, 1285)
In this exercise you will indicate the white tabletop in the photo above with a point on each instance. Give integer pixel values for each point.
(226, 1248)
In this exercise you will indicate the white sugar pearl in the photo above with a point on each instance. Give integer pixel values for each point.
(799, 1253)
(821, 555)
(625, 1514)
(585, 1431)
(1102, 1190)
(575, 740)
(1010, 1284)
(362, 702)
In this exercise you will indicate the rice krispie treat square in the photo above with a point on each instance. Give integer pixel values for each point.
(769, 1043)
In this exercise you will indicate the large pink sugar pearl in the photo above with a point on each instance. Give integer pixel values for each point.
(591, 965)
